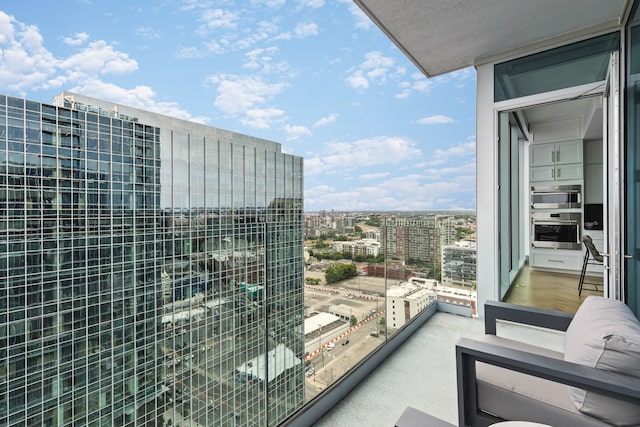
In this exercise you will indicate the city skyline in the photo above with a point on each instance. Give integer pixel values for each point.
(315, 76)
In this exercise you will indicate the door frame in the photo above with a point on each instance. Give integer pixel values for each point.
(613, 183)
(613, 267)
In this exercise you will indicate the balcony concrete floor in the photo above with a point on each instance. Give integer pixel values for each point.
(421, 373)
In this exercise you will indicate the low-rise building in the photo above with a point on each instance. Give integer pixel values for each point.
(406, 300)
(358, 247)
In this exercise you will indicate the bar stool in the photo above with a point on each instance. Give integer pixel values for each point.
(591, 256)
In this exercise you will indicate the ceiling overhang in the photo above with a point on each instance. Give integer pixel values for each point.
(441, 36)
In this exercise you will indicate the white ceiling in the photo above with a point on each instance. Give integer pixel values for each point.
(440, 36)
(587, 111)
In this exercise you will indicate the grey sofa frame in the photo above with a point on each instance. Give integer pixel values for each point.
(468, 352)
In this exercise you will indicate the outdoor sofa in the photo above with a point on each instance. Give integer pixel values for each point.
(595, 382)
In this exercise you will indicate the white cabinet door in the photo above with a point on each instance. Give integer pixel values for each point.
(542, 173)
(568, 171)
(542, 154)
(568, 152)
(556, 161)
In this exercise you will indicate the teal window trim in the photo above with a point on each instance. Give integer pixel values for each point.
(570, 65)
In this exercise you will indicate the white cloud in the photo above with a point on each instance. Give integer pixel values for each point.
(373, 176)
(99, 58)
(147, 33)
(262, 60)
(28, 65)
(326, 120)
(142, 97)
(459, 77)
(259, 34)
(261, 118)
(306, 29)
(216, 18)
(374, 69)
(190, 52)
(319, 190)
(357, 81)
(406, 192)
(363, 153)
(217, 46)
(435, 120)
(195, 4)
(313, 4)
(237, 94)
(441, 156)
(296, 132)
(282, 36)
(361, 20)
(418, 83)
(269, 3)
(375, 60)
(76, 40)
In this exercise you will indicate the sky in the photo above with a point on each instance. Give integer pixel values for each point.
(316, 76)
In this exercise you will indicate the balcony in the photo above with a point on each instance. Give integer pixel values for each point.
(420, 373)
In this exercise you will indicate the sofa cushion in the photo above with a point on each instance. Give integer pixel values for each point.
(512, 395)
(605, 334)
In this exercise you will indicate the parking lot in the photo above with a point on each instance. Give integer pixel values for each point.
(363, 297)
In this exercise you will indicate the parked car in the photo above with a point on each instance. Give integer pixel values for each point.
(330, 347)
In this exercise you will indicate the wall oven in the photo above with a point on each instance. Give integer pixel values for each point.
(555, 230)
(556, 197)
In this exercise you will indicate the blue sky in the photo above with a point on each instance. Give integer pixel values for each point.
(314, 75)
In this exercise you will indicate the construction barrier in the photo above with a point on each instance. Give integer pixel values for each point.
(343, 335)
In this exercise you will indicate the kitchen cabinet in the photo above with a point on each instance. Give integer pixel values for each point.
(556, 259)
(571, 171)
(556, 161)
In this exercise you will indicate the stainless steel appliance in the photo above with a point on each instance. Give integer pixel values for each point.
(555, 230)
(556, 197)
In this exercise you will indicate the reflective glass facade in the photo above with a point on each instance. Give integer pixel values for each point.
(152, 270)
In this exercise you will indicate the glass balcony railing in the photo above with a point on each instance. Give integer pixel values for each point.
(363, 287)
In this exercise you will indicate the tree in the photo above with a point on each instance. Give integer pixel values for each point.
(374, 222)
(353, 320)
(320, 244)
(435, 273)
(463, 232)
(337, 272)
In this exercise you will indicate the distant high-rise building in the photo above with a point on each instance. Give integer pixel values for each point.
(152, 270)
(412, 240)
(447, 226)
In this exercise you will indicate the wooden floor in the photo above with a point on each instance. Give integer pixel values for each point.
(551, 290)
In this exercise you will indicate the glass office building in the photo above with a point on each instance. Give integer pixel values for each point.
(152, 270)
